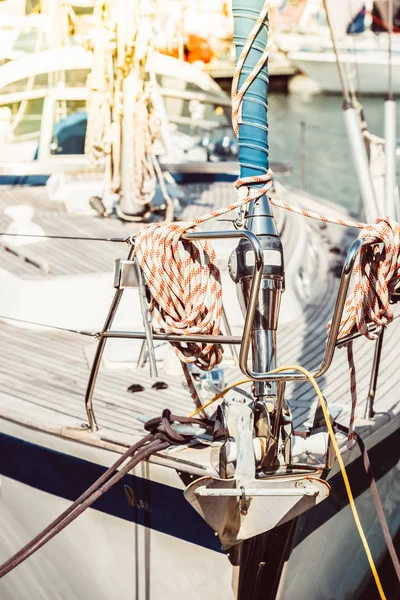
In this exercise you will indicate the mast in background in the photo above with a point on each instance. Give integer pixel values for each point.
(122, 120)
(355, 137)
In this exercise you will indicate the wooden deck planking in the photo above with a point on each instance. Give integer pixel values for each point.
(49, 369)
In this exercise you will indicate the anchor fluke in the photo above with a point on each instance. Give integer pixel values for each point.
(238, 513)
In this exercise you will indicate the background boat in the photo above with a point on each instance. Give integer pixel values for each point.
(363, 48)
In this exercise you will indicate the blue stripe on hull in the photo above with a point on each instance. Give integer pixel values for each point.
(383, 457)
(68, 477)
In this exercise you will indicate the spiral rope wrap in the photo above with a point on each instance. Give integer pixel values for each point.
(245, 185)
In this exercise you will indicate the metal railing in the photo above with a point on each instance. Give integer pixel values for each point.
(245, 339)
(106, 334)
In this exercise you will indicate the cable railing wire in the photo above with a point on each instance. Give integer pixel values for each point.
(47, 326)
(66, 237)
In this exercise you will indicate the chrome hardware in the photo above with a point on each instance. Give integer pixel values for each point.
(128, 275)
(106, 332)
(125, 274)
(245, 340)
(240, 507)
(243, 494)
(260, 221)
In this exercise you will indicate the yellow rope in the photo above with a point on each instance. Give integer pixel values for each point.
(337, 452)
(218, 396)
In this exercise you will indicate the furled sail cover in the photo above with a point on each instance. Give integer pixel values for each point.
(342, 15)
(357, 25)
(380, 16)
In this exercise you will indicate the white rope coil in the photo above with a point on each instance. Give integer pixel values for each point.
(144, 179)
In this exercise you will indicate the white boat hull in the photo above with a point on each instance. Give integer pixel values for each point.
(157, 548)
(105, 553)
(368, 72)
(328, 554)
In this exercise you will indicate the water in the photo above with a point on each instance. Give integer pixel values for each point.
(326, 168)
(388, 577)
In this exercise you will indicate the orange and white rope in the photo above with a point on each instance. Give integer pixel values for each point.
(185, 285)
(376, 276)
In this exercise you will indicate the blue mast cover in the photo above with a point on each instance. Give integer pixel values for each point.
(253, 132)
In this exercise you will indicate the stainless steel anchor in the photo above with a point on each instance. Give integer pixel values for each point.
(251, 503)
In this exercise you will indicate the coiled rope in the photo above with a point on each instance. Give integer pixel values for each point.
(185, 285)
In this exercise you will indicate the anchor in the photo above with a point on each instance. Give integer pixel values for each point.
(253, 496)
(251, 503)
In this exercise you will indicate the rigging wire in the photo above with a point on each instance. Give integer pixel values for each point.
(65, 237)
(342, 77)
(390, 60)
(79, 331)
(354, 74)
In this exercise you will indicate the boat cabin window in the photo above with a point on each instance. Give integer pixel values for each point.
(193, 111)
(71, 78)
(27, 116)
(30, 41)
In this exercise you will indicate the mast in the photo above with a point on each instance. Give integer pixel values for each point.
(57, 14)
(130, 88)
(254, 164)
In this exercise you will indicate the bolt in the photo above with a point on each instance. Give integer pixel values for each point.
(239, 400)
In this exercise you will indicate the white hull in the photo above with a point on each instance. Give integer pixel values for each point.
(100, 555)
(332, 558)
(103, 556)
(368, 72)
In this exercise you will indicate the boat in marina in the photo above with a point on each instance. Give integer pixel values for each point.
(250, 502)
(203, 34)
(363, 48)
